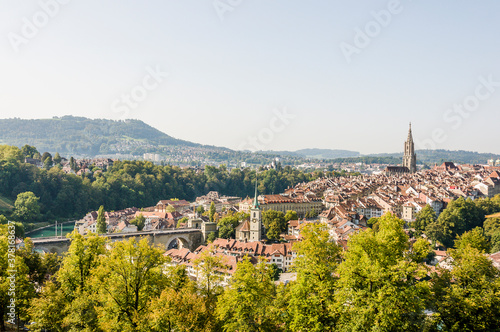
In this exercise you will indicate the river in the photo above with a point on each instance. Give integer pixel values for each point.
(50, 231)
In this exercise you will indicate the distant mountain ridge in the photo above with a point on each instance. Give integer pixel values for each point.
(72, 135)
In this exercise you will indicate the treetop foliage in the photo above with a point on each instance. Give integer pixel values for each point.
(379, 284)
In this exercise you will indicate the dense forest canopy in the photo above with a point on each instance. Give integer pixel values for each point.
(132, 183)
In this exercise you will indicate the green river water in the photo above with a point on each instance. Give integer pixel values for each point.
(50, 231)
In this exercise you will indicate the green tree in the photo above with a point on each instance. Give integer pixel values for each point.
(434, 232)
(246, 304)
(179, 310)
(183, 220)
(274, 222)
(372, 223)
(492, 232)
(139, 221)
(291, 215)
(200, 209)
(68, 303)
(208, 266)
(39, 266)
(31, 269)
(495, 242)
(211, 213)
(211, 237)
(26, 207)
(10, 153)
(46, 155)
(49, 310)
(420, 251)
(467, 297)
(491, 226)
(474, 239)
(312, 294)
(380, 286)
(227, 226)
(460, 215)
(275, 271)
(101, 221)
(130, 274)
(48, 163)
(488, 205)
(72, 164)
(424, 217)
(312, 214)
(273, 231)
(57, 158)
(29, 151)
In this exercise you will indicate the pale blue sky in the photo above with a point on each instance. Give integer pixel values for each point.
(227, 77)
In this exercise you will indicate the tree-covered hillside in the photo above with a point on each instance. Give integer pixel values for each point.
(81, 136)
(130, 183)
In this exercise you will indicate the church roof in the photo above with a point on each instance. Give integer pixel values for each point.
(243, 227)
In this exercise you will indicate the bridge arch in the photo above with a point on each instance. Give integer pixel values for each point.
(178, 242)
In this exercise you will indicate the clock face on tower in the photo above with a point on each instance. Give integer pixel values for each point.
(255, 220)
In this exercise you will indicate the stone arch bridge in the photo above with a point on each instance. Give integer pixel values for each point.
(168, 239)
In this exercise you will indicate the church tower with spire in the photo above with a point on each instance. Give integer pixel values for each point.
(255, 218)
(410, 158)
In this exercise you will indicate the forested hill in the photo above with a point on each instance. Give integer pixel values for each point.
(71, 135)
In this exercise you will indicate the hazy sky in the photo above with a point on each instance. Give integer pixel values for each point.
(281, 74)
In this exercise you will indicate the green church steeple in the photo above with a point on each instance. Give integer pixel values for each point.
(255, 200)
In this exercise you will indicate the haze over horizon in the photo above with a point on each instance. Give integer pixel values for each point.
(286, 74)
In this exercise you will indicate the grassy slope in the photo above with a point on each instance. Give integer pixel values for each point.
(6, 204)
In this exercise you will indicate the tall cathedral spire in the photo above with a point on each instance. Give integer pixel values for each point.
(410, 158)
